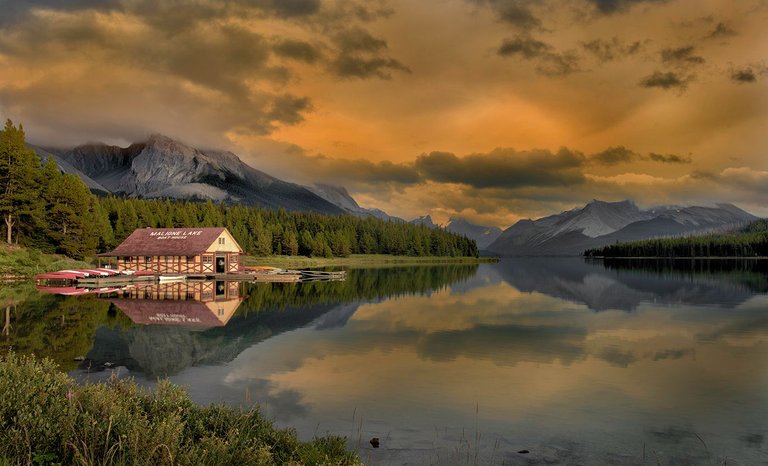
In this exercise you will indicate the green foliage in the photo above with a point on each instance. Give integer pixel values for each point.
(45, 417)
(752, 241)
(18, 262)
(264, 232)
(21, 203)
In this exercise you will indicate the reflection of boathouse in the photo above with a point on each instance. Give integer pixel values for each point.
(201, 304)
(178, 250)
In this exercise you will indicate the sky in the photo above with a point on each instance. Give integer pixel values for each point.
(490, 110)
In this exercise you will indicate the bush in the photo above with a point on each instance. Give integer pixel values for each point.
(46, 418)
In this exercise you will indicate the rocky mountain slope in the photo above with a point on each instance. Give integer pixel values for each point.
(600, 223)
(162, 167)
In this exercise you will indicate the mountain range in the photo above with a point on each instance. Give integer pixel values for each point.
(161, 167)
(600, 223)
(164, 168)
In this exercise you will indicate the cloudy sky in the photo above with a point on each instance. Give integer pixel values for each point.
(493, 110)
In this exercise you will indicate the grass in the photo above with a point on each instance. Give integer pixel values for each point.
(18, 262)
(358, 261)
(47, 418)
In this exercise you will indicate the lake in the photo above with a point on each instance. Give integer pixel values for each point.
(528, 361)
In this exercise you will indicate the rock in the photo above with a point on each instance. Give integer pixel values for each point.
(375, 442)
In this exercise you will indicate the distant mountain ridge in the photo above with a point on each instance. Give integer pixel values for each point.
(482, 235)
(600, 223)
(165, 168)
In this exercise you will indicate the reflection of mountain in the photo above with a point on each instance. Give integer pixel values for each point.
(165, 350)
(601, 288)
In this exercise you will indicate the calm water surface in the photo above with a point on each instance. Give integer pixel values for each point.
(571, 361)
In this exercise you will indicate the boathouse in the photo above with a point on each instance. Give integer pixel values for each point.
(177, 250)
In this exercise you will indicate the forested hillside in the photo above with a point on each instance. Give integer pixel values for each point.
(752, 241)
(45, 209)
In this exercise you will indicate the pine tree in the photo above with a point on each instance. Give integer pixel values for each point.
(20, 178)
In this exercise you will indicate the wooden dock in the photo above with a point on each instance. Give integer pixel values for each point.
(265, 276)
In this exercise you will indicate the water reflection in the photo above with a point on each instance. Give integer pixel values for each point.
(576, 362)
(198, 304)
(625, 284)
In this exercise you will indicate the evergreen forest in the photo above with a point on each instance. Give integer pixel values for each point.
(750, 241)
(55, 212)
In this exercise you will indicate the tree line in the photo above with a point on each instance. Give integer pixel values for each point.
(751, 241)
(56, 212)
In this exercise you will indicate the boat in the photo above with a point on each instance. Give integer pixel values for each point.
(171, 278)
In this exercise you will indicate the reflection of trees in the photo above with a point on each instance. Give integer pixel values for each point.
(360, 285)
(59, 327)
(749, 273)
(63, 327)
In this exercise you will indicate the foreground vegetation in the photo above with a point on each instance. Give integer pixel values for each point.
(46, 418)
(19, 262)
(751, 241)
(56, 213)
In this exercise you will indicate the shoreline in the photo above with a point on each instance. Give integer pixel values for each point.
(361, 261)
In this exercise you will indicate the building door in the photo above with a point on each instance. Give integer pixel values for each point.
(221, 264)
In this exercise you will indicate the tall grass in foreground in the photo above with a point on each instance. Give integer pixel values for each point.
(47, 418)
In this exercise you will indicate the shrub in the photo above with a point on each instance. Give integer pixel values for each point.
(46, 418)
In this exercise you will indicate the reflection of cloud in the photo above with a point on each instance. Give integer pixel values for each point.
(616, 356)
(506, 345)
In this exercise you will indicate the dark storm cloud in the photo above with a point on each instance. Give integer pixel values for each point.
(364, 171)
(504, 168)
(524, 46)
(720, 31)
(743, 75)
(665, 80)
(616, 6)
(15, 10)
(614, 155)
(288, 109)
(361, 56)
(359, 40)
(668, 158)
(515, 13)
(548, 61)
(610, 50)
(347, 66)
(287, 8)
(681, 56)
(297, 50)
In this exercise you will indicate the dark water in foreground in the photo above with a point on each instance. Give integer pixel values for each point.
(575, 362)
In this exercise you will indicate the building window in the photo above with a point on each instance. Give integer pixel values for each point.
(222, 240)
(207, 259)
(167, 258)
(190, 258)
(126, 259)
(233, 259)
(147, 259)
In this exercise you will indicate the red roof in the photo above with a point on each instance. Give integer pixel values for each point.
(167, 242)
